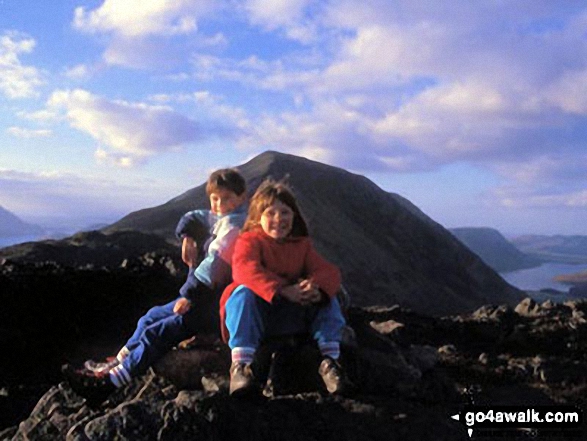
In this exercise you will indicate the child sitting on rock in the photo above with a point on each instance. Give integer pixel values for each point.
(281, 286)
(196, 309)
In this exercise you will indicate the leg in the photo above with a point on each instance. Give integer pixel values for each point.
(156, 340)
(327, 328)
(245, 320)
(153, 315)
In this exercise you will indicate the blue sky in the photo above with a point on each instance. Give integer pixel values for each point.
(476, 111)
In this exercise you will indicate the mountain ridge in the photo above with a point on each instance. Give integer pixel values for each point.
(388, 249)
(494, 248)
(13, 226)
(559, 248)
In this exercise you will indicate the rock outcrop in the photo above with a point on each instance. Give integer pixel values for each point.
(412, 373)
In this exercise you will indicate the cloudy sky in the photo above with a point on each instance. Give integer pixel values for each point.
(476, 111)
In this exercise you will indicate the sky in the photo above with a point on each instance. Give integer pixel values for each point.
(475, 111)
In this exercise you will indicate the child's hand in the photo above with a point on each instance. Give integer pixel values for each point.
(293, 293)
(310, 291)
(189, 252)
(182, 306)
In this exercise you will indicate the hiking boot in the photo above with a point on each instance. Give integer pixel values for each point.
(242, 379)
(101, 367)
(94, 388)
(333, 376)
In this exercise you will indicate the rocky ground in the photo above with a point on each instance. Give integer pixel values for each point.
(412, 372)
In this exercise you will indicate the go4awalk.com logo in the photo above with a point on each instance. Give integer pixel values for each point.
(499, 420)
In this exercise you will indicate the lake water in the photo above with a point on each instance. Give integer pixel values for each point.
(541, 277)
(7, 241)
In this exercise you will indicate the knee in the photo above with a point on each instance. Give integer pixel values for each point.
(145, 320)
(241, 298)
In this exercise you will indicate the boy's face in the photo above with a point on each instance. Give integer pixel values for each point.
(223, 201)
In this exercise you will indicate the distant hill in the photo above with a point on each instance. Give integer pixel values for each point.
(559, 248)
(12, 226)
(494, 249)
(389, 251)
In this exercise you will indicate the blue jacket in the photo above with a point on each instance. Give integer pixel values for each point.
(215, 236)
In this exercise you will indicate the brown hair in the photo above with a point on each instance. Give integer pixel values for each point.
(226, 178)
(268, 192)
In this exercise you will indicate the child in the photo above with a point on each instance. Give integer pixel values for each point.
(281, 286)
(196, 309)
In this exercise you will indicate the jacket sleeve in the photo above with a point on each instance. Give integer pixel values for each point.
(248, 270)
(324, 273)
(215, 268)
(195, 225)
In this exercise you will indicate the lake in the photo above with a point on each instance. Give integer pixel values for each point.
(7, 241)
(541, 277)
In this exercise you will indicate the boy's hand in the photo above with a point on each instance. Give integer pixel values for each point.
(189, 252)
(182, 306)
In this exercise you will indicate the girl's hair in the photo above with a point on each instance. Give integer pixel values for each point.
(268, 192)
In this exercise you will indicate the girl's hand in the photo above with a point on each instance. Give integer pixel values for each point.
(189, 251)
(293, 293)
(310, 291)
(182, 306)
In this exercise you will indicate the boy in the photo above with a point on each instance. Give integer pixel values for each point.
(208, 237)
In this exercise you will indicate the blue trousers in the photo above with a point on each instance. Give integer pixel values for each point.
(160, 329)
(249, 319)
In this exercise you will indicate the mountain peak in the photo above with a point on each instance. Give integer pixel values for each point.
(12, 226)
(389, 251)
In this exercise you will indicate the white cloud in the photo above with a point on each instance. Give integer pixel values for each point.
(136, 18)
(553, 168)
(140, 32)
(514, 198)
(78, 72)
(569, 92)
(44, 115)
(73, 196)
(289, 15)
(127, 132)
(21, 132)
(17, 80)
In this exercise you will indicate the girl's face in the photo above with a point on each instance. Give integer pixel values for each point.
(277, 220)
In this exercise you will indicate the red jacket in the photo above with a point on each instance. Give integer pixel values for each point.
(266, 265)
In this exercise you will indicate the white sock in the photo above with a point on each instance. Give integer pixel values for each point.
(330, 349)
(119, 376)
(243, 355)
(122, 354)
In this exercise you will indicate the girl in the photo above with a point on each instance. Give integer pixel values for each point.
(281, 286)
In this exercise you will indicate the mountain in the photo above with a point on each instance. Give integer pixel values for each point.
(389, 251)
(559, 248)
(494, 249)
(13, 226)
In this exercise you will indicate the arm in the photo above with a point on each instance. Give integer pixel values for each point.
(321, 274)
(215, 268)
(194, 224)
(189, 251)
(248, 270)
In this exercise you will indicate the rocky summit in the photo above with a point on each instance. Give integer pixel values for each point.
(411, 373)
